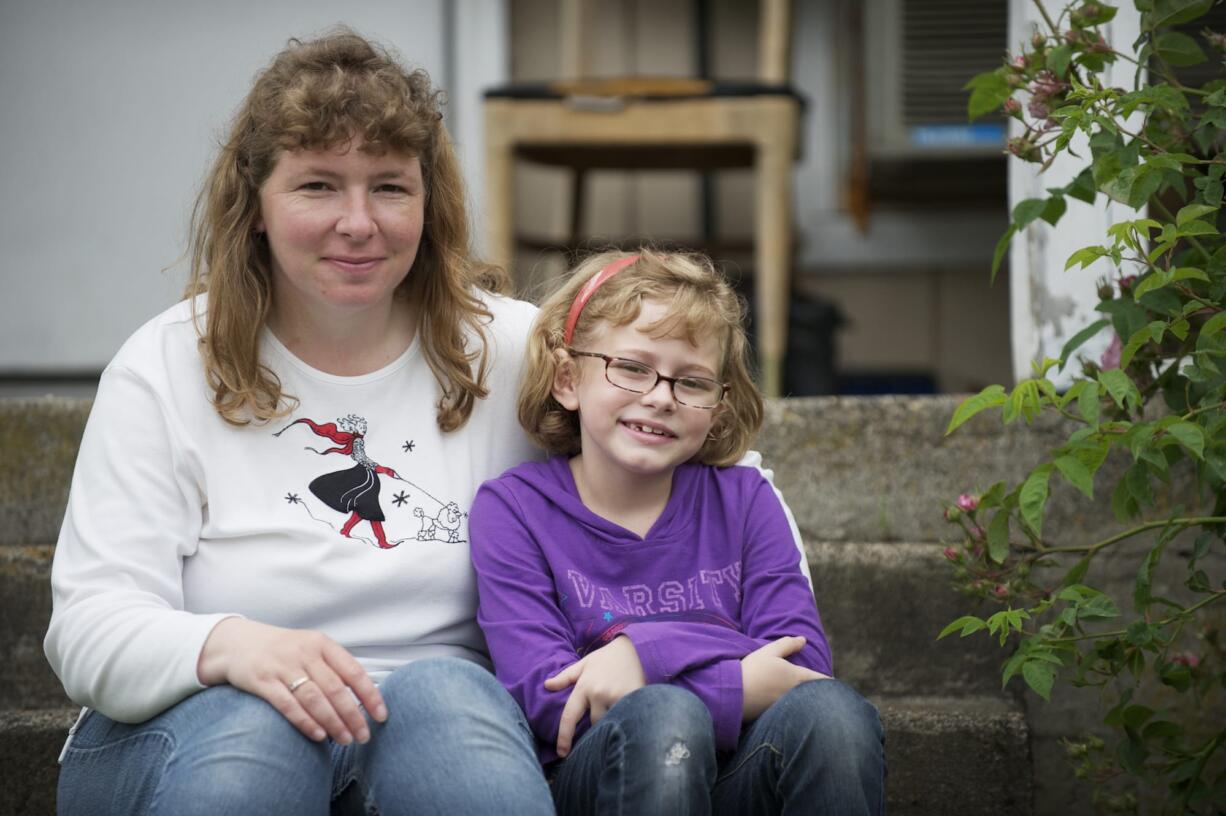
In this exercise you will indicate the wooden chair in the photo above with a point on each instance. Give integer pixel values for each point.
(646, 123)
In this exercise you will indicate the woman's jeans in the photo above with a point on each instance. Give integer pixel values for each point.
(819, 749)
(454, 742)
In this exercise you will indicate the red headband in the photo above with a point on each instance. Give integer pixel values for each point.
(589, 289)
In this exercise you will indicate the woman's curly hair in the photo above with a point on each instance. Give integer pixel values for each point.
(317, 95)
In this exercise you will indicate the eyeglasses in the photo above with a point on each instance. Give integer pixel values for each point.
(631, 375)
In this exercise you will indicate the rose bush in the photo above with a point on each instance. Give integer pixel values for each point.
(1153, 405)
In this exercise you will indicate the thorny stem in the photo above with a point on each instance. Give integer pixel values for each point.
(1215, 407)
(1205, 753)
(1091, 549)
(1216, 596)
(1046, 17)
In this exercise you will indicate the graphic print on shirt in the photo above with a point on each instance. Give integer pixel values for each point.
(709, 596)
(355, 490)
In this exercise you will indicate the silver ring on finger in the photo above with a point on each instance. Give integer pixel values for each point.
(294, 686)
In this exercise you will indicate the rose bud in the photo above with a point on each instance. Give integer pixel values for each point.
(967, 503)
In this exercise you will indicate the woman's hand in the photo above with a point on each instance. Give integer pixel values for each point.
(600, 679)
(766, 675)
(264, 660)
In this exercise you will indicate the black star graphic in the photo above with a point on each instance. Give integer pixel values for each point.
(408, 446)
(400, 498)
(292, 498)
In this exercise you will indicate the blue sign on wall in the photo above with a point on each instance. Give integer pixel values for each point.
(978, 135)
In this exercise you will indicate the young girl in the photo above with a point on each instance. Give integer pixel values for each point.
(642, 598)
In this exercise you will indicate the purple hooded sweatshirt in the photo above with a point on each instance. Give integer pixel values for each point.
(717, 576)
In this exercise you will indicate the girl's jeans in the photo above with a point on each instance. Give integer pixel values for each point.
(454, 742)
(819, 749)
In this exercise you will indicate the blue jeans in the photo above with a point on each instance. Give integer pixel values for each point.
(818, 749)
(454, 742)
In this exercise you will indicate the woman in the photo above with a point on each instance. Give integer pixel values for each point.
(240, 643)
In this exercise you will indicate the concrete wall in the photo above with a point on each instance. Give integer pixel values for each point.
(112, 111)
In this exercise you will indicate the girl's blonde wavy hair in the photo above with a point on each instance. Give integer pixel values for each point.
(318, 95)
(701, 304)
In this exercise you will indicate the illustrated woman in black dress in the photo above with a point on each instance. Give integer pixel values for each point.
(354, 490)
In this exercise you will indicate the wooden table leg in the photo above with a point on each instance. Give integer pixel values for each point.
(772, 249)
(499, 193)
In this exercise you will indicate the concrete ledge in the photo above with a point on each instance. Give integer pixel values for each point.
(947, 756)
(30, 742)
(881, 469)
(26, 681)
(883, 606)
(39, 437)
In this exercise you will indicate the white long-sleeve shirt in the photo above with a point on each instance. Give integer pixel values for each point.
(177, 519)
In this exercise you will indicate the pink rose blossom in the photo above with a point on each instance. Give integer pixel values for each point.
(1111, 357)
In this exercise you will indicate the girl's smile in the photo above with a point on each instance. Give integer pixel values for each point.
(626, 434)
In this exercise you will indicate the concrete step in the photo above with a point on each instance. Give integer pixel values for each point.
(882, 469)
(945, 756)
(39, 437)
(30, 742)
(26, 681)
(960, 756)
(883, 606)
(852, 468)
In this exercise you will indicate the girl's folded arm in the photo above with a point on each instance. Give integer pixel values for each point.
(777, 599)
(529, 637)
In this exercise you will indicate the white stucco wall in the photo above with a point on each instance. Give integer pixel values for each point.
(110, 116)
(1049, 305)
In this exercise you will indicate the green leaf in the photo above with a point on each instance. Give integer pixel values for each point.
(1162, 729)
(1028, 210)
(1135, 716)
(989, 91)
(1137, 480)
(1190, 436)
(1082, 188)
(1085, 256)
(1200, 549)
(998, 537)
(991, 397)
(1134, 345)
(1120, 387)
(1054, 210)
(1173, 12)
(1078, 475)
(1039, 676)
(1179, 49)
(1212, 326)
(1080, 337)
(1141, 594)
(1191, 212)
(1033, 498)
(1088, 403)
(967, 623)
(1002, 245)
(1157, 280)
(1058, 59)
(1194, 228)
(1077, 572)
